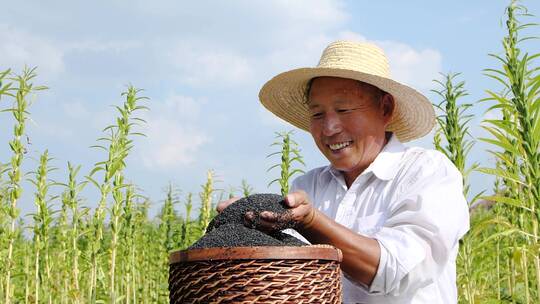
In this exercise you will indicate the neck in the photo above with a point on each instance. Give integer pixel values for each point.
(350, 177)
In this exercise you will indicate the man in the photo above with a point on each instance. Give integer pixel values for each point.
(396, 213)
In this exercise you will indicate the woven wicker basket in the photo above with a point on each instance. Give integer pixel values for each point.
(307, 274)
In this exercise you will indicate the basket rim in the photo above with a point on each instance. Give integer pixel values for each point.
(314, 252)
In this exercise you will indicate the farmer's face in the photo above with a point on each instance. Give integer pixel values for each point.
(348, 122)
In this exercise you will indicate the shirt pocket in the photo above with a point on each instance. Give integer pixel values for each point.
(370, 224)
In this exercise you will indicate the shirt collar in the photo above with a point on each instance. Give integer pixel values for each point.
(385, 165)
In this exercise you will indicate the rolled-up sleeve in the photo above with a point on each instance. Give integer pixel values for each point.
(425, 222)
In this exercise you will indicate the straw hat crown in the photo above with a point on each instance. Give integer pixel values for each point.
(349, 55)
(285, 95)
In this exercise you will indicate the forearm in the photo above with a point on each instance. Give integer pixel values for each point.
(360, 254)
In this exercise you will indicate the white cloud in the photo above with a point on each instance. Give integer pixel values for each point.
(292, 21)
(201, 65)
(414, 67)
(76, 110)
(326, 12)
(102, 46)
(19, 48)
(51, 128)
(229, 53)
(170, 145)
(302, 13)
(90, 118)
(184, 108)
(173, 138)
(303, 52)
(348, 35)
(267, 118)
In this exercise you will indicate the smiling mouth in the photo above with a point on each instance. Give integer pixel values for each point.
(339, 146)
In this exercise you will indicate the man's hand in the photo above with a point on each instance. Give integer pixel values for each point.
(301, 213)
(224, 204)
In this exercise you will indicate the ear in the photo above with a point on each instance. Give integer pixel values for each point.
(387, 106)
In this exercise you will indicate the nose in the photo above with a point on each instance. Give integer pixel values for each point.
(331, 125)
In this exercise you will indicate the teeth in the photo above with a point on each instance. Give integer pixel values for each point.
(340, 145)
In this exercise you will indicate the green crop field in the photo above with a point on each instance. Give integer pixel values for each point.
(115, 252)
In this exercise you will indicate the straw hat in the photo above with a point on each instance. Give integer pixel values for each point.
(286, 94)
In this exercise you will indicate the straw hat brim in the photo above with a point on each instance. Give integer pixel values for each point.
(285, 95)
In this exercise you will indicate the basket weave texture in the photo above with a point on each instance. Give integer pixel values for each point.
(256, 280)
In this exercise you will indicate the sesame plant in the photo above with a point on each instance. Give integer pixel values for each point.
(245, 188)
(290, 154)
(206, 213)
(71, 205)
(5, 85)
(42, 230)
(516, 147)
(128, 248)
(453, 125)
(452, 138)
(168, 229)
(187, 226)
(119, 145)
(60, 235)
(4, 90)
(168, 219)
(21, 91)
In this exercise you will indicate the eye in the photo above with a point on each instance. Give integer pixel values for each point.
(316, 115)
(345, 110)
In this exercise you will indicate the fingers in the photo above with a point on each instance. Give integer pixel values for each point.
(302, 209)
(224, 204)
(265, 216)
(267, 221)
(296, 198)
(249, 219)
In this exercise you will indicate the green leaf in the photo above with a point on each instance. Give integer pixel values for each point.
(93, 181)
(503, 174)
(476, 197)
(504, 125)
(508, 201)
(506, 146)
(272, 167)
(273, 181)
(502, 234)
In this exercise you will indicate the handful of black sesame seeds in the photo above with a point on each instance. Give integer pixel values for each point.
(228, 228)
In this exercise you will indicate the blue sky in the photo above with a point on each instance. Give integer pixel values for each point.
(202, 63)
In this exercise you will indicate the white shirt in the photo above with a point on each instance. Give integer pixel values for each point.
(411, 201)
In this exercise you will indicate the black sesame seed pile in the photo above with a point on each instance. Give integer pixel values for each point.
(256, 203)
(227, 229)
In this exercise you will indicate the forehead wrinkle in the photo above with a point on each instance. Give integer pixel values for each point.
(362, 99)
(363, 91)
(359, 90)
(357, 104)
